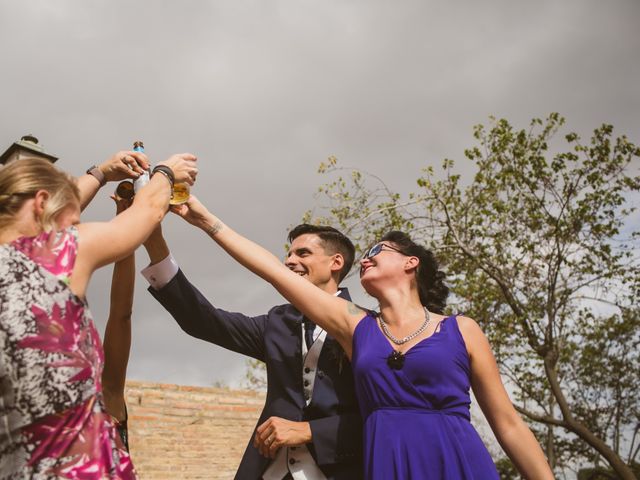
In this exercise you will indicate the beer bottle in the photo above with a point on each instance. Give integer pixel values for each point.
(125, 190)
(143, 179)
(179, 194)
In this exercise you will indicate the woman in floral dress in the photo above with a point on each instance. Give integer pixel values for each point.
(52, 418)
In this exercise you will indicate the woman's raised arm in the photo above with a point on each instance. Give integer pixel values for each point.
(117, 334)
(336, 315)
(120, 166)
(514, 435)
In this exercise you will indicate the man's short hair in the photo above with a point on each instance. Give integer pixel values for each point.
(334, 242)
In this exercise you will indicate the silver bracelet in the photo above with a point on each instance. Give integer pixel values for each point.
(166, 175)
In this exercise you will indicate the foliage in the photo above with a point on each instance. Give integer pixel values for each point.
(601, 473)
(541, 249)
(506, 470)
(256, 375)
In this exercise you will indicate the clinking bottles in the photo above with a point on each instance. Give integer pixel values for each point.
(126, 189)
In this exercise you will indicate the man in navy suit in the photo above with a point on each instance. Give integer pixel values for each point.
(310, 427)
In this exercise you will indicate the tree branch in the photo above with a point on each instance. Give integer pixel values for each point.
(581, 430)
(546, 419)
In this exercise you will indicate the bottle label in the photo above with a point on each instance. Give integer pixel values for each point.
(144, 178)
(141, 181)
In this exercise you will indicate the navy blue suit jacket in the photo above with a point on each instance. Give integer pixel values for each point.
(276, 339)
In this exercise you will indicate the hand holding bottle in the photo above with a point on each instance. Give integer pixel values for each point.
(183, 166)
(123, 165)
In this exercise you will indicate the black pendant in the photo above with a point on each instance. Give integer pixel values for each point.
(395, 360)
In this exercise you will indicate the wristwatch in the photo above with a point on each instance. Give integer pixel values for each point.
(95, 171)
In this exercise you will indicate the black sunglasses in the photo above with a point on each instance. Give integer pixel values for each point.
(379, 247)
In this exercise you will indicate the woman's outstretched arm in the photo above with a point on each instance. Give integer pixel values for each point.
(120, 166)
(117, 335)
(514, 435)
(334, 314)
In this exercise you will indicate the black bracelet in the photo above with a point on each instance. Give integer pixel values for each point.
(167, 173)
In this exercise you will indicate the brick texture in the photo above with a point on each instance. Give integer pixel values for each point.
(180, 432)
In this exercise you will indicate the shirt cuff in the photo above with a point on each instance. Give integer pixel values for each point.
(161, 273)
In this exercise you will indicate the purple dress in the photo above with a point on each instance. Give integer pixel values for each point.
(416, 419)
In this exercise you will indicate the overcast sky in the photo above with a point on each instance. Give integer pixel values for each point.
(262, 91)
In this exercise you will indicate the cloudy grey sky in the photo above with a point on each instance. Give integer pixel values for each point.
(264, 90)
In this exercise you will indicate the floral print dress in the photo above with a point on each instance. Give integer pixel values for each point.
(52, 419)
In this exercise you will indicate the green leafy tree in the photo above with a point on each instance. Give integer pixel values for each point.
(542, 249)
(506, 470)
(255, 375)
(601, 473)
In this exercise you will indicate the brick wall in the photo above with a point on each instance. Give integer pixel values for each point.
(179, 432)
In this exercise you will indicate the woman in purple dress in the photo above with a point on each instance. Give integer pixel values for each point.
(413, 366)
(53, 422)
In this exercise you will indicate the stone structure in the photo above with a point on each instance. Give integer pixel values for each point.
(26, 147)
(179, 432)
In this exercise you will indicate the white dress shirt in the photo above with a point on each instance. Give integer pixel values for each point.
(161, 273)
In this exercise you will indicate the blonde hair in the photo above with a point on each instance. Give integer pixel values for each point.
(21, 179)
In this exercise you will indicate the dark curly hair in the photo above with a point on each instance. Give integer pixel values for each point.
(334, 241)
(431, 287)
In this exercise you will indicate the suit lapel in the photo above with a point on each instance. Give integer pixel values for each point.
(292, 318)
(344, 293)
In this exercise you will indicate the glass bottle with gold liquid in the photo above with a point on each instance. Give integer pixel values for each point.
(180, 193)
